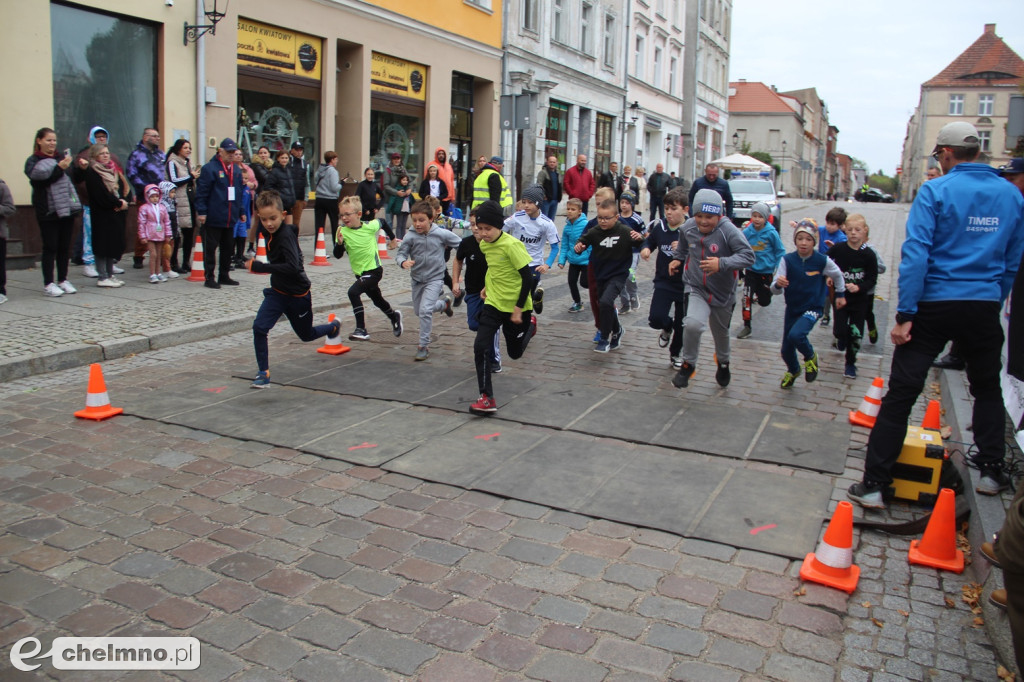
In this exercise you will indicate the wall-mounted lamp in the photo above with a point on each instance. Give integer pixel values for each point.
(634, 111)
(194, 33)
(735, 141)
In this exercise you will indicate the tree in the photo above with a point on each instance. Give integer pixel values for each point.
(765, 157)
(882, 182)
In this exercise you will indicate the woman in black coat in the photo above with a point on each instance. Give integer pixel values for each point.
(108, 190)
(279, 179)
(370, 195)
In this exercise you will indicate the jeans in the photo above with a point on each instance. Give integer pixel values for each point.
(549, 208)
(517, 336)
(699, 316)
(657, 206)
(797, 325)
(668, 309)
(474, 306)
(298, 310)
(974, 327)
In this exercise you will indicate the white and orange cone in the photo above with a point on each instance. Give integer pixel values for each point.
(832, 564)
(198, 273)
(382, 246)
(97, 402)
(320, 253)
(333, 346)
(261, 254)
(868, 410)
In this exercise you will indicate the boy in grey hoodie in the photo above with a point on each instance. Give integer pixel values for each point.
(422, 254)
(711, 251)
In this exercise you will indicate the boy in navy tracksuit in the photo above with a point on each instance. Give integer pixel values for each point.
(288, 293)
(768, 251)
(669, 292)
(629, 300)
(860, 272)
(802, 274)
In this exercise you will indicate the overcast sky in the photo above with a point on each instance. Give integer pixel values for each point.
(867, 59)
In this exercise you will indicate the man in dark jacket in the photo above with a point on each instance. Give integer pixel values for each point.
(146, 166)
(657, 185)
(218, 208)
(710, 180)
(551, 181)
(299, 168)
(610, 178)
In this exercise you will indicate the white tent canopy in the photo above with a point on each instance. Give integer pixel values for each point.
(741, 162)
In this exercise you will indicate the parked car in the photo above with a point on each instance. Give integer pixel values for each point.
(874, 194)
(748, 191)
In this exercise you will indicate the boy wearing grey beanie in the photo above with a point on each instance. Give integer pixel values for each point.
(534, 229)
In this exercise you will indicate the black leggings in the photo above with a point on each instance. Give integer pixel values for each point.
(326, 208)
(56, 236)
(577, 279)
(517, 336)
(368, 283)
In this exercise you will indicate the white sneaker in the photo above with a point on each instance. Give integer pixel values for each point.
(67, 287)
(3, 299)
(171, 274)
(161, 277)
(52, 289)
(89, 270)
(116, 270)
(108, 283)
(154, 279)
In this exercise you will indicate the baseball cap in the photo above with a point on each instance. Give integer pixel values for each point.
(228, 144)
(957, 134)
(296, 145)
(498, 160)
(1015, 166)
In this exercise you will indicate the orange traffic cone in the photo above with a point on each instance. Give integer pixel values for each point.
(261, 254)
(832, 564)
(937, 547)
(333, 346)
(382, 246)
(868, 410)
(198, 273)
(97, 402)
(932, 417)
(320, 253)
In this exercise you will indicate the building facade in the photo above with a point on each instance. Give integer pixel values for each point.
(363, 79)
(768, 122)
(976, 88)
(815, 161)
(706, 113)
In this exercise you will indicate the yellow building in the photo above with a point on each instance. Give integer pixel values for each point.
(395, 76)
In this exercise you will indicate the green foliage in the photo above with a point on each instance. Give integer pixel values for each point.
(883, 182)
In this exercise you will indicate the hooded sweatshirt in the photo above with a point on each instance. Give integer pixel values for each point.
(724, 242)
(427, 250)
(444, 170)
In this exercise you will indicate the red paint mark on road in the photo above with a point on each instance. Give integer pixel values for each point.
(755, 531)
(362, 447)
(215, 390)
(487, 437)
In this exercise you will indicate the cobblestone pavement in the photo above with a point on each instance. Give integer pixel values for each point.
(289, 566)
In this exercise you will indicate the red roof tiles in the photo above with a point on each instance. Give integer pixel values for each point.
(988, 61)
(756, 98)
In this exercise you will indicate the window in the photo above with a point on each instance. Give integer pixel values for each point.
(104, 69)
(956, 105)
(716, 143)
(530, 15)
(557, 22)
(660, 8)
(673, 74)
(638, 59)
(657, 68)
(725, 23)
(985, 103)
(675, 13)
(603, 142)
(985, 139)
(609, 40)
(482, 4)
(586, 11)
(556, 135)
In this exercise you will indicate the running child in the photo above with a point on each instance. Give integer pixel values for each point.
(869, 316)
(288, 293)
(602, 194)
(612, 254)
(828, 236)
(860, 273)
(471, 258)
(629, 300)
(575, 225)
(506, 297)
(359, 239)
(668, 303)
(450, 224)
(534, 229)
(154, 228)
(713, 251)
(422, 254)
(802, 275)
(768, 251)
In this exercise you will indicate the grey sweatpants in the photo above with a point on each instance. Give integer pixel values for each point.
(426, 300)
(698, 317)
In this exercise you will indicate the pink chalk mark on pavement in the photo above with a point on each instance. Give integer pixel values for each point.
(487, 437)
(755, 531)
(362, 447)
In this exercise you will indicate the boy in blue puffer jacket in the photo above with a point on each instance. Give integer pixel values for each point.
(768, 251)
(575, 224)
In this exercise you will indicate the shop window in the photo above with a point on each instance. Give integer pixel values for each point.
(603, 143)
(276, 121)
(556, 132)
(392, 132)
(104, 73)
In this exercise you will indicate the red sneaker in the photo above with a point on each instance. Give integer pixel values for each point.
(485, 405)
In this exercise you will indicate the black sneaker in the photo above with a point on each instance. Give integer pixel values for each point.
(744, 333)
(538, 300)
(335, 329)
(869, 497)
(228, 281)
(950, 361)
(396, 322)
(359, 334)
(211, 284)
(664, 338)
(458, 299)
(992, 482)
(723, 375)
(137, 263)
(682, 378)
(616, 339)
(811, 369)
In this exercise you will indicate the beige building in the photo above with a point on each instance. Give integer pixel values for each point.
(975, 87)
(768, 122)
(363, 79)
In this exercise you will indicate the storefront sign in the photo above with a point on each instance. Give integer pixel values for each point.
(269, 47)
(398, 77)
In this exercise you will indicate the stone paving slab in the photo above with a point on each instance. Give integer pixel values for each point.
(805, 443)
(699, 428)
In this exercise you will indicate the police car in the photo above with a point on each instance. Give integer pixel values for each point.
(747, 190)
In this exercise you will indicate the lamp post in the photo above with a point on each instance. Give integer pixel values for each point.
(735, 142)
(634, 111)
(782, 180)
(213, 15)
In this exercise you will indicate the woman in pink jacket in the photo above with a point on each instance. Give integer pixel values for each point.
(154, 228)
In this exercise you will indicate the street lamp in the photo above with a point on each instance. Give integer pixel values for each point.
(634, 111)
(782, 180)
(213, 15)
(735, 141)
